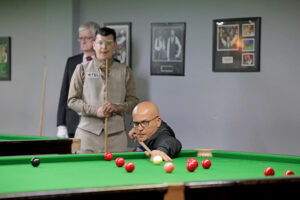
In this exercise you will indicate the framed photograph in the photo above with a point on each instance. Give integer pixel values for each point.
(167, 48)
(236, 44)
(123, 31)
(5, 58)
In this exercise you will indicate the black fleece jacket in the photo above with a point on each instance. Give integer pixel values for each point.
(164, 140)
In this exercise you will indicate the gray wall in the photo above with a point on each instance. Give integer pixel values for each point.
(40, 33)
(255, 112)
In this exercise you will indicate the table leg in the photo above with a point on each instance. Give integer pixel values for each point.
(175, 192)
(75, 144)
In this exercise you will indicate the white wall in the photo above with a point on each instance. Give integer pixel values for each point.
(255, 112)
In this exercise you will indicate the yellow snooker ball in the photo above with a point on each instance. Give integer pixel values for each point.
(157, 160)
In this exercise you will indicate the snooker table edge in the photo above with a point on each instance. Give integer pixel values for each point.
(162, 188)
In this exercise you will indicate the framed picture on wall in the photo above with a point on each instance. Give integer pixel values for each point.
(167, 48)
(123, 32)
(236, 44)
(5, 58)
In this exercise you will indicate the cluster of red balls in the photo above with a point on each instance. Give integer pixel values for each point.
(269, 171)
(192, 164)
(169, 167)
(129, 166)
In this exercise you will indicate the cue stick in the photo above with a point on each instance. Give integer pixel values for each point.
(145, 146)
(43, 101)
(106, 99)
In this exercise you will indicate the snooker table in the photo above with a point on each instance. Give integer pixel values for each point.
(11, 145)
(232, 175)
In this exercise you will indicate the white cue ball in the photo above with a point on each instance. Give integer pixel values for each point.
(157, 160)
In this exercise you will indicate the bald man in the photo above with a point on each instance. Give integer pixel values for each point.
(149, 128)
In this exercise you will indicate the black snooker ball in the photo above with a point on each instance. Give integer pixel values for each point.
(35, 161)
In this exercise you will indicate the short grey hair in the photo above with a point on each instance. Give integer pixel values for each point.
(92, 26)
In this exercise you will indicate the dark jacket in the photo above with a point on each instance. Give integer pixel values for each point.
(164, 140)
(66, 116)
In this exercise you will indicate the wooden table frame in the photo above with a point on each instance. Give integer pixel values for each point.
(287, 187)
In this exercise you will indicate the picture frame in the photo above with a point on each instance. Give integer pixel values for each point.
(236, 44)
(5, 58)
(123, 33)
(168, 48)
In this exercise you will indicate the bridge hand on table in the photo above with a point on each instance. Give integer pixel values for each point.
(162, 154)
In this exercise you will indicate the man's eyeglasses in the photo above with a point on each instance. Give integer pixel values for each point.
(85, 38)
(144, 123)
(107, 42)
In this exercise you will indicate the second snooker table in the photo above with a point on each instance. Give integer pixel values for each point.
(11, 145)
(232, 175)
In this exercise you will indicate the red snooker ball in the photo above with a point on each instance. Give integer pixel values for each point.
(120, 161)
(206, 164)
(191, 166)
(169, 167)
(108, 156)
(194, 161)
(191, 159)
(269, 171)
(288, 173)
(129, 167)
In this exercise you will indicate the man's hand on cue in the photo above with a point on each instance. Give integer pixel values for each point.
(164, 156)
(109, 108)
(132, 134)
(101, 114)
